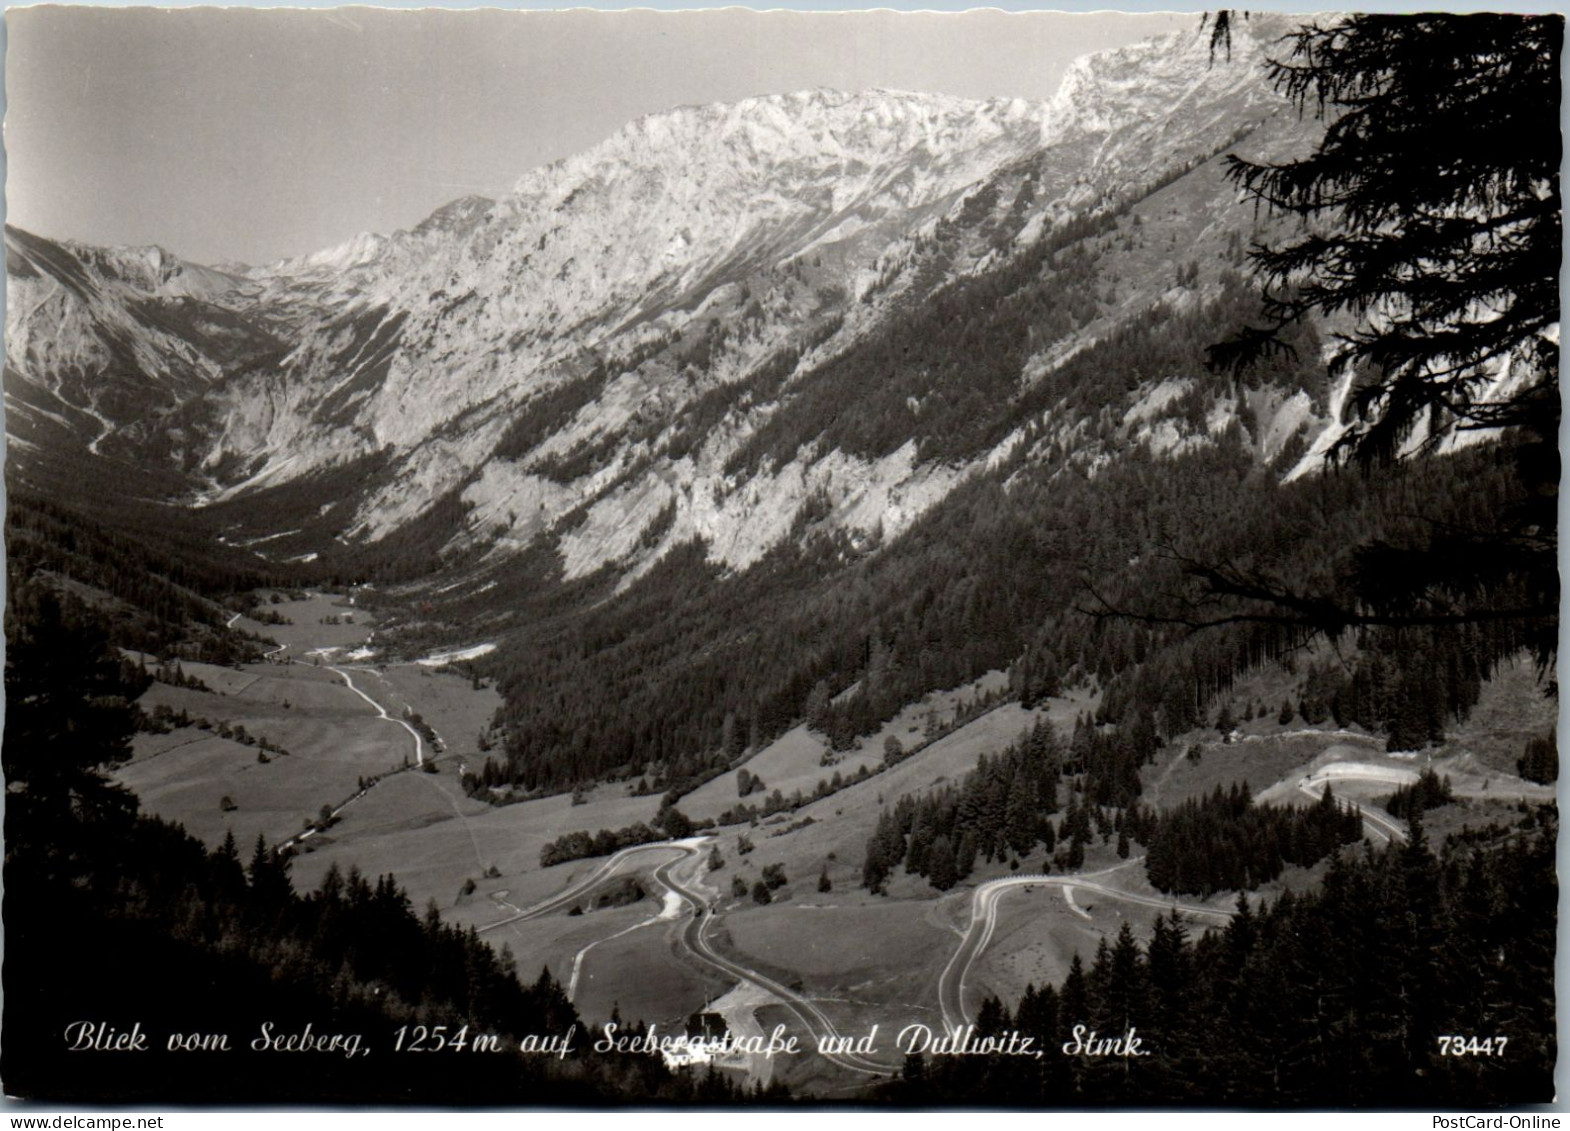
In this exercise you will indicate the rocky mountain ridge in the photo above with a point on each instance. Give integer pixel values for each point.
(597, 357)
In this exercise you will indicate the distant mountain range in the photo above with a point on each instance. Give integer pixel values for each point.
(668, 335)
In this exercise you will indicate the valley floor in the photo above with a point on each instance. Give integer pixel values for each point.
(315, 747)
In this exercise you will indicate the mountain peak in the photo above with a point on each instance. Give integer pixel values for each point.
(353, 252)
(753, 141)
(456, 216)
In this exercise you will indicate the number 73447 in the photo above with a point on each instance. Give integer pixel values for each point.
(1472, 1046)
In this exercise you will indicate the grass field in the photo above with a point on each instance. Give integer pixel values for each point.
(1260, 759)
(1513, 709)
(433, 838)
(795, 760)
(644, 976)
(840, 946)
(423, 829)
(554, 940)
(306, 630)
(418, 826)
(861, 964)
(228, 681)
(842, 822)
(333, 738)
(453, 707)
(791, 762)
(1036, 938)
(865, 957)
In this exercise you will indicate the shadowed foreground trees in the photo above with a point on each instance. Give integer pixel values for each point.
(1431, 219)
(127, 921)
(1429, 245)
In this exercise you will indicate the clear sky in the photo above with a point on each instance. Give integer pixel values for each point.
(251, 134)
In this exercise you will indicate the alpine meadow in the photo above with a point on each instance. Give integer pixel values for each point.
(842, 596)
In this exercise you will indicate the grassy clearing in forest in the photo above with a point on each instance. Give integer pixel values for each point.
(333, 739)
(840, 824)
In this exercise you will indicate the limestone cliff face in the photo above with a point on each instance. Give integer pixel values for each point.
(582, 357)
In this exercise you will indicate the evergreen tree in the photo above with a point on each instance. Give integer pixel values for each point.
(1435, 189)
(1540, 761)
(965, 855)
(1432, 218)
(68, 715)
(940, 864)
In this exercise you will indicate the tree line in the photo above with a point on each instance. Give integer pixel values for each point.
(1225, 842)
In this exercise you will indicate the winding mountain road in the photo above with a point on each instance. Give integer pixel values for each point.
(1378, 822)
(419, 744)
(694, 937)
(582, 887)
(679, 874)
(984, 901)
(983, 920)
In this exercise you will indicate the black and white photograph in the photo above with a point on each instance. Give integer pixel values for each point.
(781, 559)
